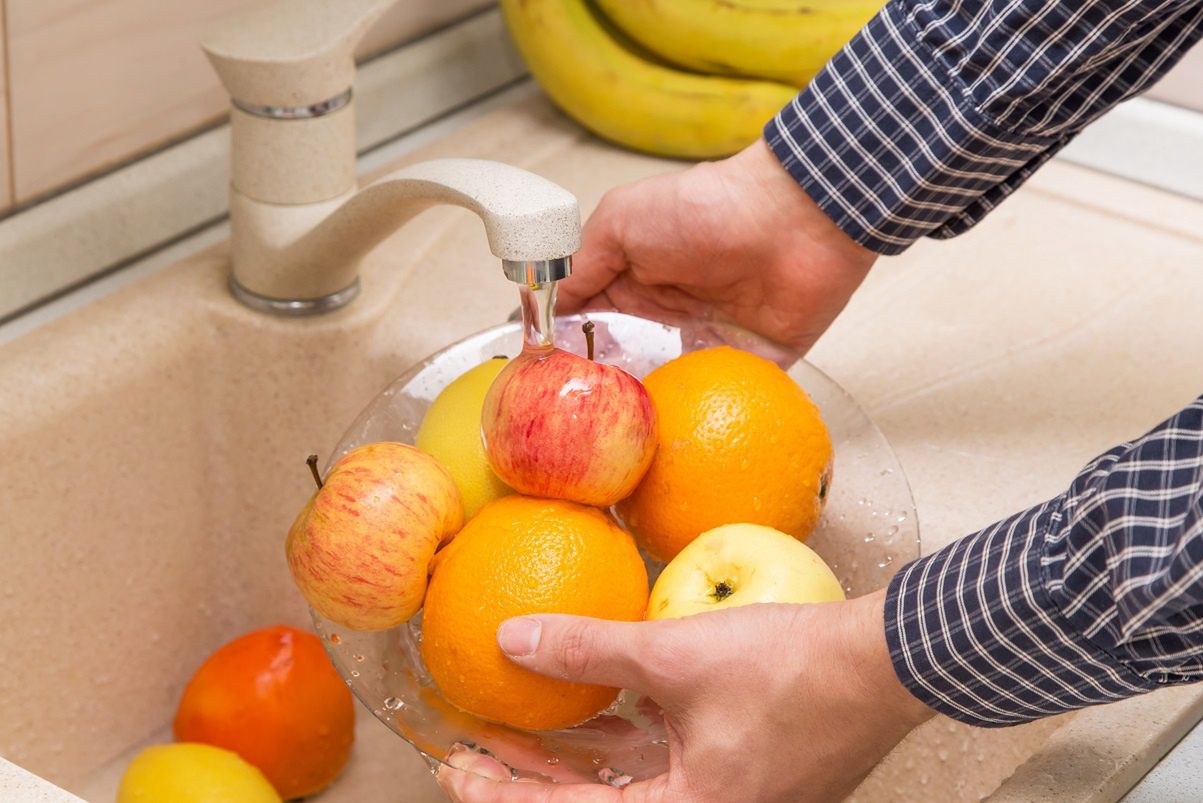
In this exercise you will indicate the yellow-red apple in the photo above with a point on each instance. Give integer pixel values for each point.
(360, 549)
(559, 425)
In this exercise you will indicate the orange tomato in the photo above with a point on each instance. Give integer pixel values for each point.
(273, 697)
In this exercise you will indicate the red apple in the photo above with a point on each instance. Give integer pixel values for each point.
(563, 426)
(360, 550)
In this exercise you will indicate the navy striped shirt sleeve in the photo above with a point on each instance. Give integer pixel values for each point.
(939, 109)
(1093, 596)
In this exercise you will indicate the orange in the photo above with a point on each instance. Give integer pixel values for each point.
(273, 697)
(740, 442)
(521, 555)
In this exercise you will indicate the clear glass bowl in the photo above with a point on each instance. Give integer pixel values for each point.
(868, 530)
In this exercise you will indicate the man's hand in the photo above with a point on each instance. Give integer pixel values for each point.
(737, 240)
(762, 702)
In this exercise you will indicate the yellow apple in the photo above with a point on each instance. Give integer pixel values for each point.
(450, 432)
(360, 550)
(739, 564)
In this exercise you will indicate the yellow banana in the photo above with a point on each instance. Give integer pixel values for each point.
(611, 87)
(779, 40)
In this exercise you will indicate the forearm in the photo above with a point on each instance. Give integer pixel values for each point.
(1091, 597)
(935, 112)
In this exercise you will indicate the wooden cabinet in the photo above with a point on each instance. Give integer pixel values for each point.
(97, 82)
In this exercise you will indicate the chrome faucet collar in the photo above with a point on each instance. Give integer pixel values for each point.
(537, 271)
(319, 109)
(294, 307)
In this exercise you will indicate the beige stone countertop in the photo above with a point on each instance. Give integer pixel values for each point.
(19, 786)
(997, 364)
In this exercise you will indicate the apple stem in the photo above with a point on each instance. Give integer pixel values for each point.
(311, 461)
(587, 328)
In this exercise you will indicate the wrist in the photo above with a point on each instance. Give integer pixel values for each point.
(869, 656)
(780, 191)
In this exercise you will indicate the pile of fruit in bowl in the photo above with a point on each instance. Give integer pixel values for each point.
(664, 476)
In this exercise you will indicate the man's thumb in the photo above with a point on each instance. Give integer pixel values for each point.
(578, 648)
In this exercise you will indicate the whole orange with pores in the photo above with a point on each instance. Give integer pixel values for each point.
(521, 555)
(740, 442)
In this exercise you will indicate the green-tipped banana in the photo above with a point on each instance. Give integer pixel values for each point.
(624, 95)
(779, 40)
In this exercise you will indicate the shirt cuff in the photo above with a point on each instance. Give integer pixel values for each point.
(974, 635)
(887, 142)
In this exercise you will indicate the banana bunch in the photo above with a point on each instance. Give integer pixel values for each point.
(693, 79)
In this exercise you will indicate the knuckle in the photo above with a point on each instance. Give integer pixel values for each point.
(574, 651)
(664, 662)
(611, 202)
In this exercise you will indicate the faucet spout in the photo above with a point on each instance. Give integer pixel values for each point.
(299, 259)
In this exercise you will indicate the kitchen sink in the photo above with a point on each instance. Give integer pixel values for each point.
(154, 449)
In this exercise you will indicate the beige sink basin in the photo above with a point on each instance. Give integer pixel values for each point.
(154, 448)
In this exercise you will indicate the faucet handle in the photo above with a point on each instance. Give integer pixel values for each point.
(291, 53)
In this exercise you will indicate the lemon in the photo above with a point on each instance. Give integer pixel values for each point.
(450, 433)
(193, 773)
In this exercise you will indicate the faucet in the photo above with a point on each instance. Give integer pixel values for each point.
(300, 224)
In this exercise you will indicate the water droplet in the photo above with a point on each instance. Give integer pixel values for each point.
(862, 502)
(869, 537)
(756, 503)
(902, 517)
(358, 658)
(881, 564)
(394, 703)
(354, 673)
(892, 531)
(613, 777)
(886, 472)
(335, 639)
(553, 761)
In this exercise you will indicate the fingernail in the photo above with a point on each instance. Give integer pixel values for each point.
(460, 758)
(519, 637)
